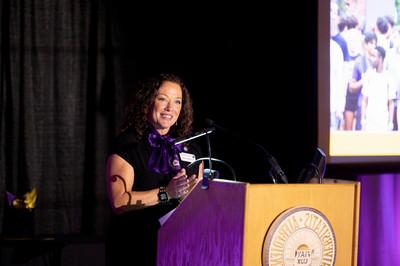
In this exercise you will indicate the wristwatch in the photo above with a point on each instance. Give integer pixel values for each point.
(162, 195)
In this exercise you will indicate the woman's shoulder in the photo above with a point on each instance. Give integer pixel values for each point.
(126, 139)
(128, 136)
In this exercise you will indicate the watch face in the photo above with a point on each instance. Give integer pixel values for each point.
(163, 196)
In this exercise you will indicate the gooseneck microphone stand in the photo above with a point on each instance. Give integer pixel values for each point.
(204, 182)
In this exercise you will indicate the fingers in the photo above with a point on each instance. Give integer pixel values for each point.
(187, 182)
(192, 178)
(179, 188)
(178, 185)
(191, 182)
(180, 174)
(181, 184)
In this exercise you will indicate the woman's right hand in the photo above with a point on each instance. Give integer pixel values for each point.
(179, 185)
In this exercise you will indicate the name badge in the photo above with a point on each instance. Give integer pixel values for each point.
(187, 157)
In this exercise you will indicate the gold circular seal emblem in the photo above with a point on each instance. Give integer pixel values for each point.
(300, 236)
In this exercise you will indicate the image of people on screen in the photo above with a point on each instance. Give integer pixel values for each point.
(365, 65)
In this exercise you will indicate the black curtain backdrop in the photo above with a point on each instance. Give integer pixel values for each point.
(57, 108)
(68, 68)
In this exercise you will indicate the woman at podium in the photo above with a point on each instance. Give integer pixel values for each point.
(145, 171)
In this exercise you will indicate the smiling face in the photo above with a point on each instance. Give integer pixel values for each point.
(166, 107)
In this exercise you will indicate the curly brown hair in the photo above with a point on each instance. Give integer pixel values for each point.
(138, 109)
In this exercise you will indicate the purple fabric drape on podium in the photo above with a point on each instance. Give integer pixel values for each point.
(379, 231)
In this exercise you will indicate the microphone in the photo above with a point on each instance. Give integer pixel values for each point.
(211, 123)
(316, 169)
(276, 171)
(196, 135)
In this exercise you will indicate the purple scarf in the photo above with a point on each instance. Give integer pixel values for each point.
(164, 158)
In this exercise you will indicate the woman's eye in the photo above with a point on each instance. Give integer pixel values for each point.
(178, 102)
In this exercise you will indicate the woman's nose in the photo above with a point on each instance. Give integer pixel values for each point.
(168, 106)
(171, 105)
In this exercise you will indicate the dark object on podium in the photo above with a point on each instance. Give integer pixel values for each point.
(315, 170)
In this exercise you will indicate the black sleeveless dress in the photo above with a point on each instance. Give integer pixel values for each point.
(132, 236)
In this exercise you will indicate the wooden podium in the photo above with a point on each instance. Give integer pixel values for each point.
(228, 223)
